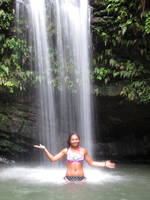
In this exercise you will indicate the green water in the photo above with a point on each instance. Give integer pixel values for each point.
(126, 182)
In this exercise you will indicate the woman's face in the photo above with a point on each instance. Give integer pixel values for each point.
(74, 141)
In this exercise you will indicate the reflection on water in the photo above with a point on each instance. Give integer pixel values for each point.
(123, 183)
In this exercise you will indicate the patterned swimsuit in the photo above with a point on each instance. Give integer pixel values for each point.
(74, 157)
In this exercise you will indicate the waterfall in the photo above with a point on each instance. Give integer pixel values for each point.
(59, 40)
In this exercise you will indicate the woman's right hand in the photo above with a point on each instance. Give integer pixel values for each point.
(40, 146)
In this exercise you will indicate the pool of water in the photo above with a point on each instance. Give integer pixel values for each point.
(125, 182)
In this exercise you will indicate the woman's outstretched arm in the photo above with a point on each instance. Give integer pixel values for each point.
(90, 161)
(52, 158)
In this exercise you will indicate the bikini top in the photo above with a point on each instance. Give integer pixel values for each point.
(75, 156)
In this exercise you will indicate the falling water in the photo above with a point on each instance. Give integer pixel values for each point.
(72, 19)
(36, 13)
(62, 61)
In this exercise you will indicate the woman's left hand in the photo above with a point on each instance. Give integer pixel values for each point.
(110, 164)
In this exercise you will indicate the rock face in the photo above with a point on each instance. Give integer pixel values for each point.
(18, 126)
(122, 128)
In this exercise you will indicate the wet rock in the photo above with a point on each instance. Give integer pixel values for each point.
(122, 128)
(5, 162)
(18, 127)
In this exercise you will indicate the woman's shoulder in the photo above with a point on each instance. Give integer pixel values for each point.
(65, 150)
(83, 149)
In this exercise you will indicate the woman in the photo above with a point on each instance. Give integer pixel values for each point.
(75, 157)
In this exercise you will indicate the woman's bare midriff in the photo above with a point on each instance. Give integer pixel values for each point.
(75, 169)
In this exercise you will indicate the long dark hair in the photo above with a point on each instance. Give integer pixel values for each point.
(69, 138)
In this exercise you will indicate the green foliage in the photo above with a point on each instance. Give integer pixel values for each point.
(137, 90)
(3, 118)
(122, 51)
(6, 15)
(102, 74)
(14, 53)
(12, 75)
(147, 22)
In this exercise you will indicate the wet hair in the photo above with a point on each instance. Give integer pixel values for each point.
(69, 138)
